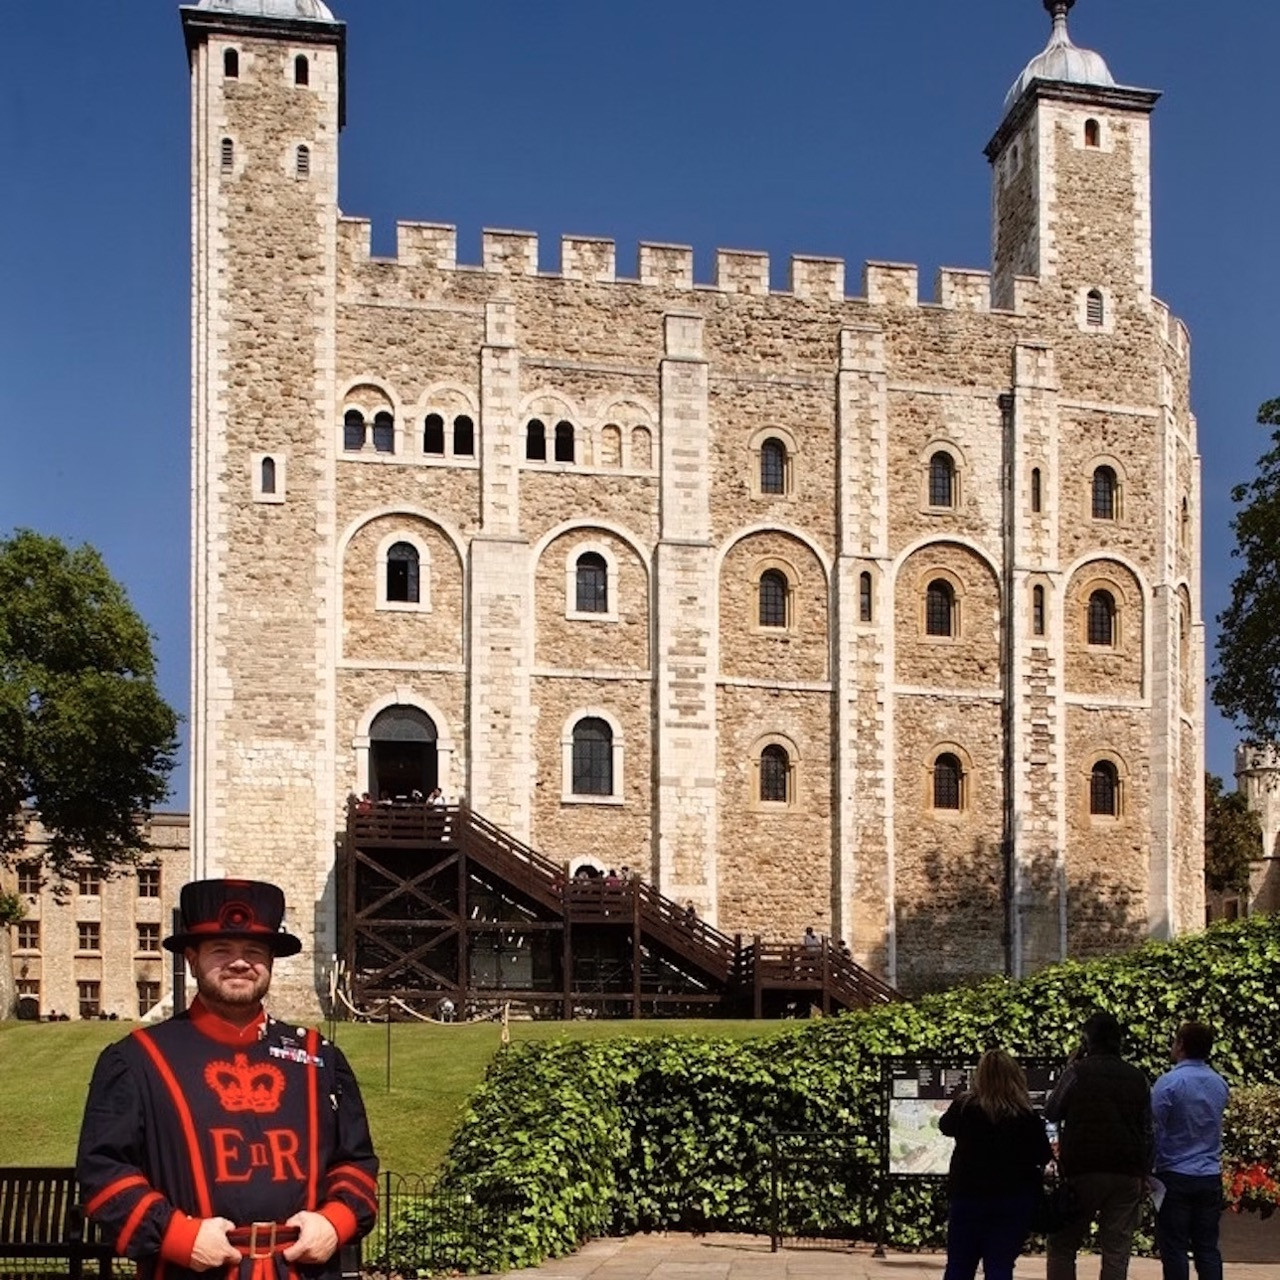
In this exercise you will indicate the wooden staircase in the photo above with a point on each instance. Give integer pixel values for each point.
(437, 899)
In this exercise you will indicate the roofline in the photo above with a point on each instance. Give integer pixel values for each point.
(1106, 96)
(198, 24)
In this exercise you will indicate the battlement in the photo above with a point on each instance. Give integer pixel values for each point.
(593, 259)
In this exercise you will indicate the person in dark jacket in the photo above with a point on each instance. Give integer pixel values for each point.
(1102, 1106)
(996, 1170)
(224, 1141)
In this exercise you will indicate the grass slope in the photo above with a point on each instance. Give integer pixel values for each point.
(46, 1068)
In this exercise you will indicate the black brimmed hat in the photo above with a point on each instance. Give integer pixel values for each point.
(232, 909)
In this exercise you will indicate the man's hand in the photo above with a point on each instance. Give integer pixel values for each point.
(317, 1238)
(212, 1248)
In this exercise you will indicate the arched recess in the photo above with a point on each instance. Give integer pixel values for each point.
(748, 650)
(1186, 651)
(624, 415)
(617, 756)
(551, 408)
(369, 396)
(404, 736)
(450, 401)
(968, 657)
(1117, 669)
(762, 795)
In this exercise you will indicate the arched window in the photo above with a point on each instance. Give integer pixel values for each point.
(302, 161)
(775, 775)
(535, 441)
(301, 70)
(1094, 313)
(228, 155)
(939, 608)
(592, 584)
(1035, 489)
(1184, 530)
(1092, 133)
(384, 433)
(942, 480)
(864, 597)
(433, 434)
(948, 782)
(564, 441)
(641, 448)
(1037, 610)
(267, 480)
(402, 573)
(773, 467)
(1104, 494)
(592, 758)
(231, 64)
(1104, 790)
(353, 431)
(1102, 619)
(464, 437)
(774, 590)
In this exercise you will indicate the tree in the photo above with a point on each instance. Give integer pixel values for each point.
(1232, 838)
(86, 741)
(1247, 684)
(12, 909)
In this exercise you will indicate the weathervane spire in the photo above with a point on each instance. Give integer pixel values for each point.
(1059, 10)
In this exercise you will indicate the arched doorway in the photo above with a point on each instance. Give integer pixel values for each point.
(402, 753)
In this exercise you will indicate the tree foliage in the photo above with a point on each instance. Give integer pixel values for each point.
(1232, 837)
(1247, 684)
(85, 738)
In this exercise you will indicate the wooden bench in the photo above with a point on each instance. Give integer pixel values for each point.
(41, 1218)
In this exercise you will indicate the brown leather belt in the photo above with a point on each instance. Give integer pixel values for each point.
(262, 1239)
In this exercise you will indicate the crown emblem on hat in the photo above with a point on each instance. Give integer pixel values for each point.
(241, 1087)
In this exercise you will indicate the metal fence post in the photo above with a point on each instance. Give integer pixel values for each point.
(775, 1227)
(386, 1226)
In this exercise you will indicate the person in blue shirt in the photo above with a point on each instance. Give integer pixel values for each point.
(1186, 1107)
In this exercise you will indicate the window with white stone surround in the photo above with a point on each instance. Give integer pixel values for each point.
(267, 477)
(404, 574)
(591, 582)
(591, 747)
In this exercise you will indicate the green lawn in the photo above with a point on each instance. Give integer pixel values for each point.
(45, 1068)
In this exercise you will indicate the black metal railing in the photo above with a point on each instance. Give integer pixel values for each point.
(821, 1188)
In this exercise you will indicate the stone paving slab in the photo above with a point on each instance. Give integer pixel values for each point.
(731, 1257)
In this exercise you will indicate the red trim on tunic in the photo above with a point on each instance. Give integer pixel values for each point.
(184, 1115)
(354, 1171)
(131, 1223)
(313, 1119)
(359, 1192)
(341, 1218)
(221, 1030)
(179, 1241)
(113, 1189)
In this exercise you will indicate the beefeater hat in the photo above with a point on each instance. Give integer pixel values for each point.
(232, 909)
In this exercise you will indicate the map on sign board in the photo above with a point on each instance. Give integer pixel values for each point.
(919, 1095)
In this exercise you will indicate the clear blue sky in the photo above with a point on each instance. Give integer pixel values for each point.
(846, 127)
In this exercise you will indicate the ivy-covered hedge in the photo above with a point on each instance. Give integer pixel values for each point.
(577, 1139)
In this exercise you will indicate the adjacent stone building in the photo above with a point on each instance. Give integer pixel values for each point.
(90, 946)
(835, 606)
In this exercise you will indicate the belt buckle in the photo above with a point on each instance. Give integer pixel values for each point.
(267, 1230)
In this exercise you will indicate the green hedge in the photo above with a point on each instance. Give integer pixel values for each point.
(578, 1139)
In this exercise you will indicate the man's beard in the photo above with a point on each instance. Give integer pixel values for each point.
(213, 992)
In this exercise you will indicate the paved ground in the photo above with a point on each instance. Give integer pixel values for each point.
(726, 1257)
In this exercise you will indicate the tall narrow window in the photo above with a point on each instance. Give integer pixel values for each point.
(1104, 790)
(1094, 313)
(1092, 133)
(1036, 498)
(864, 597)
(384, 433)
(29, 878)
(1037, 610)
(268, 478)
(148, 937)
(942, 480)
(773, 598)
(775, 775)
(353, 431)
(89, 882)
(948, 780)
(301, 70)
(230, 64)
(88, 936)
(28, 935)
(1102, 619)
(939, 608)
(402, 573)
(302, 161)
(433, 434)
(1104, 494)
(464, 437)
(149, 882)
(148, 996)
(535, 441)
(564, 441)
(592, 758)
(228, 155)
(1184, 531)
(592, 593)
(89, 997)
(773, 467)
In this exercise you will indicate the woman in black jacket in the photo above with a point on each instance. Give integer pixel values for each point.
(996, 1170)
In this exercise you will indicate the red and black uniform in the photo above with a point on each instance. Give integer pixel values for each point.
(197, 1118)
